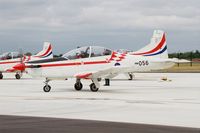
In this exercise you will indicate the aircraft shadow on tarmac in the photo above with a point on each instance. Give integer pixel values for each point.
(139, 79)
(15, 79)
(87, 90)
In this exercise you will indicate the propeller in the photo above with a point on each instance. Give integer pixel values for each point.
(21, 55)
(21, 66)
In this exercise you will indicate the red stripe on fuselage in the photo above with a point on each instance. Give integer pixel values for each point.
(73, 64)
(96, 62)
(159, 46)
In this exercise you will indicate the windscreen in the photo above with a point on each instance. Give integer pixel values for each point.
(83, 52)
(87, 52)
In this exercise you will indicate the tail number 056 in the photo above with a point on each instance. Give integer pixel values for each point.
(143, 63)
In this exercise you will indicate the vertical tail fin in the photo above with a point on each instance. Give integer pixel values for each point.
(156, 48)
(46, 52)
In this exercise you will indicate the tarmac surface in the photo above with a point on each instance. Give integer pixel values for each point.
(19, 124)
(145, 100)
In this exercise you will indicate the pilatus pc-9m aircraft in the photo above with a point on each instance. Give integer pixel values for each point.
(94, 62)
(10, 59)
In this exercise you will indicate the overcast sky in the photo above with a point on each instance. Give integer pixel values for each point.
(114, 24)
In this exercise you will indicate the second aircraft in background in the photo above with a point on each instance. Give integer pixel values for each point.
(10, 59)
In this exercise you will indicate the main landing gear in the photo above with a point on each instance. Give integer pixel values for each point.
(1, 75)
(18, 75)
(47, 87)
(94, 87)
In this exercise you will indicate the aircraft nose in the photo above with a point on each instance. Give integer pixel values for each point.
(20, 67)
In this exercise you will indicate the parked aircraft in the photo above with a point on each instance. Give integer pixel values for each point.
(94, 62)
(10, 59)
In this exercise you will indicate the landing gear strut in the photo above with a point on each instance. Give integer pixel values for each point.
(1, 75)
(47, 87)
(78, 85)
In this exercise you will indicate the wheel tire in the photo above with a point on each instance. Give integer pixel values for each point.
(17, 76)
(47, 88)
(93, 87)
(1, 76)
(78, 86)
(99, 79)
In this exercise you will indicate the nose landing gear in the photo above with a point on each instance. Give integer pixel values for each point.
(78, 85)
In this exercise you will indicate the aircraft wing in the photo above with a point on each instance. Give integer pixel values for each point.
(176, 60)
(101, 73)
(172, 60)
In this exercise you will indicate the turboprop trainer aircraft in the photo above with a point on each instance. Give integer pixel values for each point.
(94, 62)
(10, 59)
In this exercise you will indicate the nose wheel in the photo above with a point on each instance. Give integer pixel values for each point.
(78, 85)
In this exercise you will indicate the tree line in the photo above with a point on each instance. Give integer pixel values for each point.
(185, 55)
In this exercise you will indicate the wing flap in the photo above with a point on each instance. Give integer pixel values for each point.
(101, 73)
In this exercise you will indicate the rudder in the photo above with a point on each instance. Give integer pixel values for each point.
(46, 52)
(157, 46)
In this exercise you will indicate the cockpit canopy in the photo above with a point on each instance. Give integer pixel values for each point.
(9, 55)
(124, 51)
(87, 52)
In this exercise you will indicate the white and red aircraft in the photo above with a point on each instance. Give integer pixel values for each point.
(94, 62)
(10, 59)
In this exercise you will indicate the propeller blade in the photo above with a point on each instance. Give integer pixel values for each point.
(21, 55)
(21, 66)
